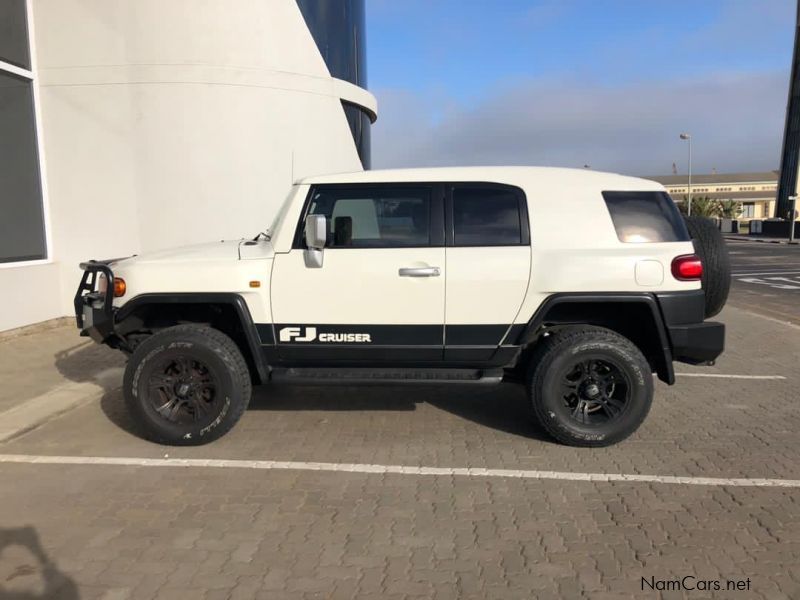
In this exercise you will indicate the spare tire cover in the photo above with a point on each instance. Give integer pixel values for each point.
(710, 246)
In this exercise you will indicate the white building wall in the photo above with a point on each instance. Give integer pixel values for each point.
(169, 123)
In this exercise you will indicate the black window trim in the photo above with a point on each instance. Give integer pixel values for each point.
(27, 64)
(525, 234)
(436, 222)
(24, 72)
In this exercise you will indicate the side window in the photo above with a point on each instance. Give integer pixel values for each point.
(642, 217)
(486, 216)
(375, 216)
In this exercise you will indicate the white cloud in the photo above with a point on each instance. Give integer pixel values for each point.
(736, 122)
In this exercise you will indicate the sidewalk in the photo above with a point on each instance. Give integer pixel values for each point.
(744, 237)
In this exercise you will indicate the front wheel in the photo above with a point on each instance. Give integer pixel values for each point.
(589, 386)
(187, 385)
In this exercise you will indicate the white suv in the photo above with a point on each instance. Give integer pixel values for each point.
(580, 284)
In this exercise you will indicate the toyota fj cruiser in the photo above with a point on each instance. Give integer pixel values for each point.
(579, 284)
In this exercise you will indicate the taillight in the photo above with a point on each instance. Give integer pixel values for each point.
(688, 267)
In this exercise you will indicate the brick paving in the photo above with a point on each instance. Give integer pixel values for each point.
(83, 531)
(164, 533)
(774, 290)
(34, 364)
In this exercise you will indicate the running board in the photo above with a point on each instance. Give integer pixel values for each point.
(359, 376)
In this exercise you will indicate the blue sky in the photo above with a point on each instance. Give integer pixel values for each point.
(609, 83)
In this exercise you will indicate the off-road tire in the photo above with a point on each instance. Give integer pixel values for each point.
(214, 350)
(548, 365)
(710, 247)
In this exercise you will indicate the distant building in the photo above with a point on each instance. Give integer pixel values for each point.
(756, 191)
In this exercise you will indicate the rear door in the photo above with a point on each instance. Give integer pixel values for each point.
(379, 295)
(488, 267)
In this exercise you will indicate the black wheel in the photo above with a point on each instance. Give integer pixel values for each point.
(589, 386)
(710, 247)
(187, 385)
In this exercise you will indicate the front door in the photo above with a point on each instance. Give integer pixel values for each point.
(379, 294)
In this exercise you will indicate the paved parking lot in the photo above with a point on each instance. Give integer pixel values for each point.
(306, 497)
(766, 278)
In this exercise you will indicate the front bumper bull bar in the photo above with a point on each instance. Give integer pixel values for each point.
(94, 308)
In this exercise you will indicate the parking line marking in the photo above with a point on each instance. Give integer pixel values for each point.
(727, 376)
(396, 470)
(749, 274)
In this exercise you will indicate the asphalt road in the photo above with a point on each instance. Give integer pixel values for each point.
(766, 279)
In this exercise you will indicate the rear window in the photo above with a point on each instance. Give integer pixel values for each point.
(641, 217)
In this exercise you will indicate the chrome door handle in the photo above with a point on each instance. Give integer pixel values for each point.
(419, 272)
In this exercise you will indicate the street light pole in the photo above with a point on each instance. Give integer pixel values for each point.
(793, 200)
(687, 137)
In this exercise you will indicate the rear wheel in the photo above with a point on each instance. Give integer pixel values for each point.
(187, 385)
(710, 247)
(589, 386)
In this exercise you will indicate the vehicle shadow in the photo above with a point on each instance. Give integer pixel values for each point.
(113, 406)
(501, 407)
(26, 572)
(504, 407)
(83, 363)
(93, 363)
(281, 396)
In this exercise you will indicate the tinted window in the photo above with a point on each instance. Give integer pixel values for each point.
(360, 125)
(339, 29)
(14, 33)
(486, 217)
(21, 222)
(374, 217)
(645, 217)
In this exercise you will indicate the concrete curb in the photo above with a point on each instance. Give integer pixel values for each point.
(10, 334)
(36, 411)
(733, 238)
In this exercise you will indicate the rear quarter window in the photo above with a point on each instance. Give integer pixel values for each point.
(642, 217)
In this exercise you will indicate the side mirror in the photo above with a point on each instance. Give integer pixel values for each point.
(316, 231)
(316, 234)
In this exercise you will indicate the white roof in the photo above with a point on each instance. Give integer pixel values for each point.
(521, 176)
(565, 205)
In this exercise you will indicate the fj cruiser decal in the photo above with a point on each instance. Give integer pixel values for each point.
(292, 334)
(295, 334)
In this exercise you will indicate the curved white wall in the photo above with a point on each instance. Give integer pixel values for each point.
(172, 122)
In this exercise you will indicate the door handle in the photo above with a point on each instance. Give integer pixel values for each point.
(419, 272)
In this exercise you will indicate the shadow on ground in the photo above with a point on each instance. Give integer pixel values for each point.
(502, 407)
(113, 406)
(26, 572)
(84, 363)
